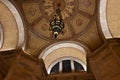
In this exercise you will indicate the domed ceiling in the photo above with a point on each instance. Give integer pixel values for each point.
(76, 14)
(80, 18)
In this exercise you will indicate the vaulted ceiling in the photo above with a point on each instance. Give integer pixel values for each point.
(81, 18)
(77, 15)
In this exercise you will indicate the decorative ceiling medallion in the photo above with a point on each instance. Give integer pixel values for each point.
(59, 3)
(79, 22)
(66, 7)
(87, 3)
(44, 27)
(87, 6)
(31, 11)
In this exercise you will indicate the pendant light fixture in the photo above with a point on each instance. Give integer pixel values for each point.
(57, 24)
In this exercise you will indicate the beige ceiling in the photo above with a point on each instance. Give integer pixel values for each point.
(80, 17)
(76, 14)
(28, 26)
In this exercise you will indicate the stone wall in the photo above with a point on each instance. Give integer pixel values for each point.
(105, 61)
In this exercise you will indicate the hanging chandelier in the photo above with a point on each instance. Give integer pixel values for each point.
(56, 24)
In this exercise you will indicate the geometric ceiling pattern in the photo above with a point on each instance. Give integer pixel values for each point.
(77, 14)
(80, 18)
(83, 23)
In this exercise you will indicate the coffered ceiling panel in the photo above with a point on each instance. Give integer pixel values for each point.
(79, 22)
(87, 6)
(42, 27)
(31, 11)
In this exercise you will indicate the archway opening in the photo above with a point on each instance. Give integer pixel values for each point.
(65, 50)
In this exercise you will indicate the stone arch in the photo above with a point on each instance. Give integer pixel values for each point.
(109, 18)
(103, 19)
(14, 32)
(64, 49)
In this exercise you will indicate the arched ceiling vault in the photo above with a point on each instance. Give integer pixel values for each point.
(77, 15)
(64, 49)
(80, 18)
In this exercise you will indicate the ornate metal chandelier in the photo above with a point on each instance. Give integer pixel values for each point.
(57, 24)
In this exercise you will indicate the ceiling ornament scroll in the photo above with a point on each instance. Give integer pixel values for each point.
(66, 7)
